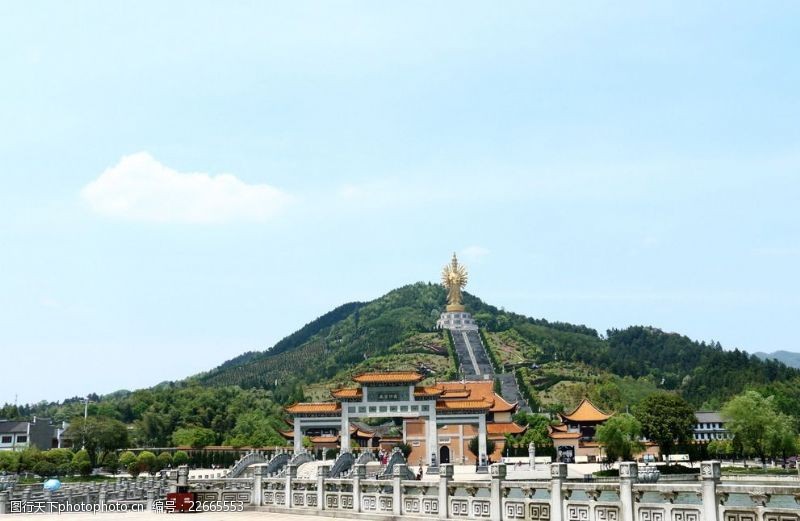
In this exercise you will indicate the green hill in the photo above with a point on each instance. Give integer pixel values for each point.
(557, 364)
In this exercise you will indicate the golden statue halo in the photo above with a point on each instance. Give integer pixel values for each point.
(454, 278)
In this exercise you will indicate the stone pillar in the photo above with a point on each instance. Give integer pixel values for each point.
(101, 495)
(482, 456)
(710, 473)
(151, 497)
(4, 503)
(558, 473)
(445, 476)
(498, 472)
(532, 455)
(291, 474)
(322, 473)
(432, 439)
(344, 434)
(298, 435)
(398, 472)
(258, 486)
(359, 473)
(628, 475)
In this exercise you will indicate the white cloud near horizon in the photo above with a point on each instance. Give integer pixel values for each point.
(140, 188)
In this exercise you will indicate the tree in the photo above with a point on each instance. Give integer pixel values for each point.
(9, 461)
(195, 437)
(98, 435)
(720, 448)
(126, 459)
(473, 447)
(82, 463)
(620, 436)
(165, 460)
(180, 458)
(146, 461)
(667, 419)
(110, 462)
(756, 424)
(536, 431)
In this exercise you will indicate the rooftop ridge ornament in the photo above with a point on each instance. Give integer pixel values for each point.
(454, 278)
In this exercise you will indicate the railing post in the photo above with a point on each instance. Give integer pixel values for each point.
(101, 495)
(628, 475)
(258, 486)
(291, 473)
(445, 475)
(322, 473)
(3, 502)
(151, 498)
(710, 472)
(558, 473)
(359, 473)
(398, 472)
(498, 473)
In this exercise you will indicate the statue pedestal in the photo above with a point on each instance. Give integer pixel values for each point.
(456, 321)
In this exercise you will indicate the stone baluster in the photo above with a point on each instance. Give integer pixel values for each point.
(498, 473)
(359, 473)
(558, 473)
(628, 475)
(445, 476)
(710, 473)
(101, 495)
(398, 472)
(151, 498)
(258, 486)
(322, 473)
(4, 502)
(291, 474)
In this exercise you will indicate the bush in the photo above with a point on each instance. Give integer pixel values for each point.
(180, 458)
(126, 459)
(164, 460)
(81, 463)
(147, 462)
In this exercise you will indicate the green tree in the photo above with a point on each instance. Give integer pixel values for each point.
(473, 447)
(667, 419)
(126, 459)
(9, 461)
(195, 437)
(82, 463)
(110, 462)
(165, 460)
(720, 448)
(620, 436)
(59, 459)
(98, 435)
(757, 425)
(146, 461)
(180, 458)
(536, 431)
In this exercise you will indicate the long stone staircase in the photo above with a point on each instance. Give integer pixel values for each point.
(476, 365)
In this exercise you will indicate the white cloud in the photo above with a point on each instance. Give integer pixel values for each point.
(142, 189)
(473, 253)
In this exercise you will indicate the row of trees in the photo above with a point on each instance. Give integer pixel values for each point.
(53, 462)
(757, 427)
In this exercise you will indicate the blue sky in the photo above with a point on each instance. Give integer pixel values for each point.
(185, 181)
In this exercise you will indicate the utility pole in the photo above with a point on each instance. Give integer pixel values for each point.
(85, 417)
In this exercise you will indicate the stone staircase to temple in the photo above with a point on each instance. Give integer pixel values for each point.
(476, 365)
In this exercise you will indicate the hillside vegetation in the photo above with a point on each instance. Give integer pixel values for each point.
(240, 401)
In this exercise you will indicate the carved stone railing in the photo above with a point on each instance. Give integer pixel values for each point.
(554, 499)
(251, 458)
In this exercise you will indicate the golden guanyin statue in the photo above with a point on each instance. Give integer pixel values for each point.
(454, 278)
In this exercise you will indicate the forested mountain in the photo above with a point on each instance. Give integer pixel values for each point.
(240, 401)
(787, 357)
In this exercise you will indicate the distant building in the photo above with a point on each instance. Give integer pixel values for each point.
(39, 433)
(710, 426)
(574, 438)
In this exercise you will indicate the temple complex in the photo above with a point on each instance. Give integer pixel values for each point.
(437, 420)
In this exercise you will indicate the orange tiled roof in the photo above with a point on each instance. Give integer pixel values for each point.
(388, 377)
(313, 408)
(287, 434)
(324, 439)
(586, 412)
(480, 390)
(560, 427)
(427, 391)
(346, 393)
(504, 428)
(460, 405)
